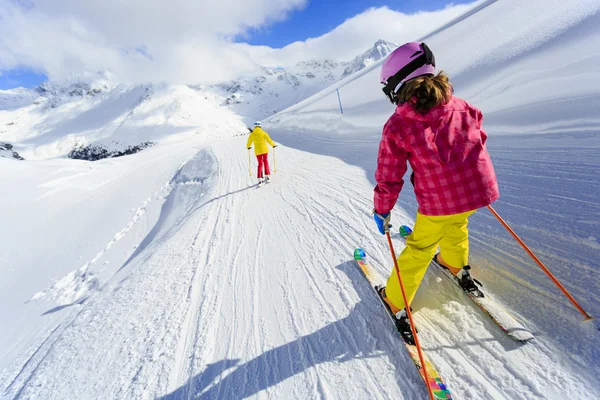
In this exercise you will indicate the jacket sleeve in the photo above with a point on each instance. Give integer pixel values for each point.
(391, 167)
(250, 140)
(268, 139)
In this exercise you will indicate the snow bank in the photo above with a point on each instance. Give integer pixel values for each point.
(527, 74)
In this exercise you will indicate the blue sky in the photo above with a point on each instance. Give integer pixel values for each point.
(322, 16)
(20, 78)
(60, 53)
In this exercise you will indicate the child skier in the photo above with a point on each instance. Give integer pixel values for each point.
(441, 137)
(260, 139)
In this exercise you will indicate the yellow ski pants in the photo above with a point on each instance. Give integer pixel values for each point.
(449, 232)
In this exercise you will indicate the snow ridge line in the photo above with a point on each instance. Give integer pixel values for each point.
(77, 284)
(38, 353)
(192, 333)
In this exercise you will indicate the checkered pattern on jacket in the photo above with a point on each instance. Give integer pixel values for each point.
(446, 149)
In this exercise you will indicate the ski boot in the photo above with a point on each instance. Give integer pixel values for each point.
(400, 319)
(467, 283)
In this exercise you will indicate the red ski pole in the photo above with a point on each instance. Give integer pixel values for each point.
(410, 318)
(542, 266)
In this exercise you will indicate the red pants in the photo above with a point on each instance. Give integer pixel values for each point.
(263, 159)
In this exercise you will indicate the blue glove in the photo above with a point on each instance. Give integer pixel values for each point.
(382, 221)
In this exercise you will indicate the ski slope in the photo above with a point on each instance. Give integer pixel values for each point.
(537, 86)
(168, 274)
(239, 291)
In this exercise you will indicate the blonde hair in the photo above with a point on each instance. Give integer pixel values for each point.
(425, 92)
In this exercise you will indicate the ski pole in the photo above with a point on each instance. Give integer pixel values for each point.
(274, 161)
(249, 167)
(412, 323)
(542, 266)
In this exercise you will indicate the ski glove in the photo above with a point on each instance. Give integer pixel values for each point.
(382, 221)
(249, 148)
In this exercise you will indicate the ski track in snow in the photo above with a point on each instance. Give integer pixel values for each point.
(246, 292)
(252, 292)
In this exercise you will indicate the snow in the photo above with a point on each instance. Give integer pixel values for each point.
(379, 51)
(114, 116)
(535, 79)
(532, 77)
(168, 274)
(16, 98)
(73, 223)
(6, 151)
(275, 89)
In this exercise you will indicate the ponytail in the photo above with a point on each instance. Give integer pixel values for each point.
(426, 92)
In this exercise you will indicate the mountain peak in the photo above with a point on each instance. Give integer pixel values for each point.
(380, 50)
(381, 42)
(278, 88)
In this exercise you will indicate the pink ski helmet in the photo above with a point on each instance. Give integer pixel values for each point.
(406, 62)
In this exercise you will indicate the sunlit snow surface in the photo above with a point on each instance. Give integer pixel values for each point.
(168, 274)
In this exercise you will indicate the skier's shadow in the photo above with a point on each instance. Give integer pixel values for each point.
(364, 333)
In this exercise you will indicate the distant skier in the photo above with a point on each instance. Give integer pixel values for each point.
(441, 137)
(260, 138)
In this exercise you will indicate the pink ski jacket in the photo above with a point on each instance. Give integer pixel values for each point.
(446, 149)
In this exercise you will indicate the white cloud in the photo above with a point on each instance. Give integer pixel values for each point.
(360, 32)
(187, 40)
(180, 41)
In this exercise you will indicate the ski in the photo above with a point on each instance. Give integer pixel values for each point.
(498, 314)
(435, 381)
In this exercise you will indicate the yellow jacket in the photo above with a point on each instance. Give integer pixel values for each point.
(260, 139)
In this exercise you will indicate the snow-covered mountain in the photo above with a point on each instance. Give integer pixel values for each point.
(379, 51)
(101, 118)
(6, 151)
(275, 89)
(97, 117)
(16, 98)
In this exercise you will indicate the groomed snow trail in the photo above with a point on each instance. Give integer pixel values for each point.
(241, 292)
